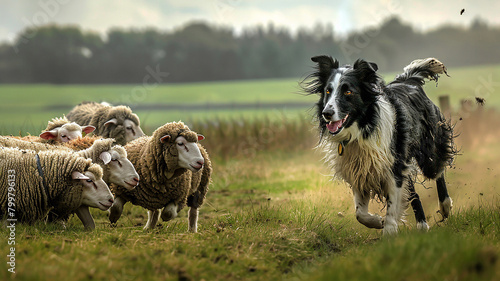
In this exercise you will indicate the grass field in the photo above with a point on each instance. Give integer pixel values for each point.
(27, 108)
(272, 212)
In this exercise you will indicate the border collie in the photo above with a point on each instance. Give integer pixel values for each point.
(377, 137)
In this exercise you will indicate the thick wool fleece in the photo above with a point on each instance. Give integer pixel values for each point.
(162, 181)
(97, 115)
(32, 202)
(27, 143)
(59, 122)
(81, 143)
(87, 147)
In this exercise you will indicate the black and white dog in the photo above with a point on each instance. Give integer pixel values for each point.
(377, 136)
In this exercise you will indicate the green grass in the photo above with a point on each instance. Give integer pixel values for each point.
(272, 216)
(467, 248)
(272, 213)
(27, 108)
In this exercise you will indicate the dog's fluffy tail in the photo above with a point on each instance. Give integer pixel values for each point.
(419, 70)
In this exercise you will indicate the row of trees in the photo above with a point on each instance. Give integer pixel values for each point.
(202, 52)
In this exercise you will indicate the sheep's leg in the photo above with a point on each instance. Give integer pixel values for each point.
(116, 210)
(153, 217)
(362, 215)
(169, 212)
(84, 215)
(193, 219)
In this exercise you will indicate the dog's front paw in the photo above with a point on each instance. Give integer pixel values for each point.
(390, 227)
(445, 207)
(422, 226)
(371, 221)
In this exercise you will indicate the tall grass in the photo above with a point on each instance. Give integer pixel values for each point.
(243, 138)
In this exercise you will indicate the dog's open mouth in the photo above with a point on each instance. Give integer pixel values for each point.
(336, 126)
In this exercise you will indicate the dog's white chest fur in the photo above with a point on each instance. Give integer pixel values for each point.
(366, 164)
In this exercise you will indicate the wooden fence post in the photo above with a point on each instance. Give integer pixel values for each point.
(444, 104)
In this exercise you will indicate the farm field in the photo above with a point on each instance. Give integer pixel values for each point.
(26, 108)
(272, 212)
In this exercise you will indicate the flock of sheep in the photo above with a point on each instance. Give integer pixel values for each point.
(60, 173)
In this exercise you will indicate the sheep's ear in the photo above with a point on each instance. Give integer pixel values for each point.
(105, 157)
(201, 137)
(49, 135)
(165, 138)
(88, 129)
(79, 176)
(112, 121)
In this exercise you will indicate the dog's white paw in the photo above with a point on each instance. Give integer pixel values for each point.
(390, 227)
(422, 226)
(445, 207)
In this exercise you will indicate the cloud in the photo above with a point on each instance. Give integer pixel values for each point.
(343, 15)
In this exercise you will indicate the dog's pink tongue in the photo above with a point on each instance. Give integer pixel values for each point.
(334, 126)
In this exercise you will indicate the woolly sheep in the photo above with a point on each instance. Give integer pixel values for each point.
(174, 170)
(116, 122)
(40, 181)
(111, 157)
(62, 130)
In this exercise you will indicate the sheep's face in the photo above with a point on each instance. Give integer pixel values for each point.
(129, 129)
(96, 192)
(132, 130)
(189, 154)
(66, 132)
(119, 170)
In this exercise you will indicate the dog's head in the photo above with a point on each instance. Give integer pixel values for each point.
(347, 94)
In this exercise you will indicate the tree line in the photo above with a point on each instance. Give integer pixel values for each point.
(203, 52)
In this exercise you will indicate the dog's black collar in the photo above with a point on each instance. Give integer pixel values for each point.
(40, 172)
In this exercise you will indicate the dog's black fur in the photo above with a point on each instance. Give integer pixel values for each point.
(420, 131)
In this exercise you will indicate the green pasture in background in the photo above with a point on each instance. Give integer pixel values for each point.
(27, 108)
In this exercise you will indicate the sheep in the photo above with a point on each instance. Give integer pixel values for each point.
(62, 130)
(117, 169)
(33, 183)
(175, 170)
(112, 158)
(116, 122)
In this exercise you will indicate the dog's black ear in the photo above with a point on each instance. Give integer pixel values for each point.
(373, 65)
(365, 69)
(325, 63)
(362, 64)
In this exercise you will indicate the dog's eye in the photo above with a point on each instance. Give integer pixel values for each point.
(347, 93)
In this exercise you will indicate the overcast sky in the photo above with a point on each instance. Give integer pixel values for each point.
(343, 15)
